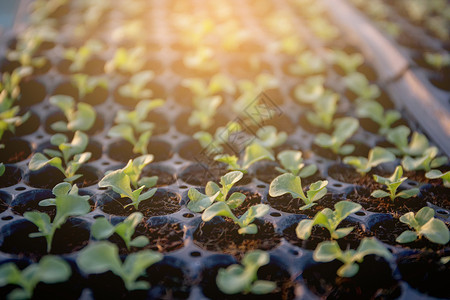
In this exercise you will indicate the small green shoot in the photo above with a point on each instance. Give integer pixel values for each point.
(269, 137)
(437, 60)
(324, 110)
(373, 110)
(126, 61)
(136, 87)
(288, 183)
(244, 278)
(376, 157)
(435, 174)
(81, 56)
(86, 84)
(426, 161)
(392, 183)
(80, 118)
(213, 144)
(310, 90)
(399, 137)
(307, 63)
(344, 128)
(358, 84)
(424, 224)
(292, 162)
(349, 63)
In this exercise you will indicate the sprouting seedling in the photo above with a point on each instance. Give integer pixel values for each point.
(437, 60)
(399, 137)
(80, 56)
(103, 229)
(201, 89)
(136, 86)
(201, 59)
(204, 111)
(292, 162)
(213, 192)
(126, 181)
(68, 159)
(244, 278)
(86, 84)
(330, 220)
(81, 117)
(424, 224)
(329, 250)
(323, 29)
(128, 61)
(324, 110)
(68, 204)
(25, 54)
(348, 62)
(132, 127)
(213, 144)
(244, 222)
(344, 128)
(376, 157)
(50, 269)
(307, 63)
(435, 174)
(310, 90)
(253, 153)
(392, 183)
(373, 110)
(426, 161)
(288, 183)
(269, 137)
(358, 84)
(103, 256)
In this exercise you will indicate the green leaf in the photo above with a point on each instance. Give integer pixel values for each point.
(327, 251)
(291, 160)
(348, 270)
(102, 229)
(250, 229)
(140, 241)
(2, 169)
(408, 193)
(119, 182)
(53, 269)
(148, 182)
(436, 231)
(135, 265)
(303, 229)
(229, 179)
(217, 209)
(235, 200)
(253, 153)
(99, 258)
(261, 287)
(407, 236)
(379, 194)
(424, 215)
(341, 232)
(255, 211)
(39, 161)
(233, 280)
(60, 126)
(371, 246)
(409, 219)
(147, 194)
(286, 183)
(198, 201)
(83, 119)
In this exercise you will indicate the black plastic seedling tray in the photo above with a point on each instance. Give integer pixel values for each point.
(191, 261)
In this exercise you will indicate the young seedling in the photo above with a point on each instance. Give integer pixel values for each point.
(292, 162)
(244, 222)
(329, 250)
(324, 110)
(127, 61)
(103, 229)
(68, 204)
(50, 269)
(103, 256)
(204, 111)
(399, 137)
(349, 63)
(86, 84)
(25, 54)
(269, 138)
(358, 84)
(127, 181)
(132, 127)
(424, 224)
(80, 118)
(288, 183)
(344, 128)
(435, 174)
(80, 56)
(201, 59)
(307, 63)
(376, 157)
(310, 90)
(437, 60)
(373, 110)
(201, 89)
(244, 278)
(392, 184)
(213, 192)
(426, 161)
(213, 144)
(253, 153)
(136, 87)
(68, 159)
(330, 220)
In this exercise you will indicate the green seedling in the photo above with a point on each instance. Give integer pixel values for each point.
(435, 174)
(68, 158)
(82, 117)
(330, 220)
(103, 256)
(81, 56)
(324, 110)
(68, 204)
(132, 127)
(323, 29)
(399, 137)
(288, 183)
(103, 229)
(426, 161)
(437, 60)
(310, 90)
(344, 128)
(307, 63)
(292, 162)
(213, 192)
(253, 153)
(50, 269)
(349, 63)
(86, 84)
(201, 59)
(244, 222)
(376, 157)
(329, 250)
(424, 224)
(204, 113)
(358, 84)
(244, 278)
(136, 86)
(127, 61)
(25, 53)
(200, 88)
(373, 110)
(392, 183)
(213, 144)
(269, 138)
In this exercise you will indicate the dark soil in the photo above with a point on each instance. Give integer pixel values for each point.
(3, 205)
(288, 204)
(267, 173)
(164, 177)
(28, 127)
(425, 272)
(123, 151)
(32, 92)
(199, 174)
(168, 281)
(320, 234)
(11, 176)
(322, 280)
(15, 150)
(437, 195)
(224, 237)
(162, 203)
(48, 177)
(388, 230)
(346, 173)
